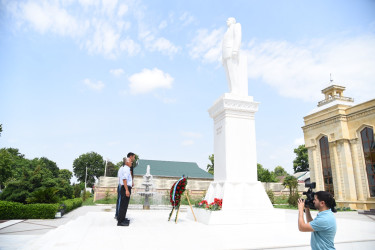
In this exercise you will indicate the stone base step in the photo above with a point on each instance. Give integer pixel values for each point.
(367, 212)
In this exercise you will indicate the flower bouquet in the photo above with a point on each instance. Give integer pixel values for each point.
(177, 189)
(214, 206)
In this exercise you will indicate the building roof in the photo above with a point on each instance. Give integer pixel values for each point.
(171, 169)
(302, 176)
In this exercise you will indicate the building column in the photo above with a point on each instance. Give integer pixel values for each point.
(311, 152)
(335, 166)
(357, 171)
(348, 176)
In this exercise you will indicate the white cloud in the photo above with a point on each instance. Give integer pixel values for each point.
(165, 46)
(206, 46)
(160, 44)
(116, 72)
(48, 17)
(122, 10)
(302, 70)
(187, 143)
(165, 100)
(130, 47)
(186, 18)
(299, 141)
(149, 80)
(102, 33)
(109, 6)
(97, 86)
(87, 3)
(163, 25)
(191, 134)
(105, 39)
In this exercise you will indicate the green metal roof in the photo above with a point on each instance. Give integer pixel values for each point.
(171, 169)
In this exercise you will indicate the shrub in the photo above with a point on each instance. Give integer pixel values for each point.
(107, 195)
(76, 190)
(85, 195)
(271, 196)
(283, 199)
(293, 199)
(72, 204)
(343, 209)
(44, 195)
(14, 210)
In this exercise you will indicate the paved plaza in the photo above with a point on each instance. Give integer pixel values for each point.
(93, 227)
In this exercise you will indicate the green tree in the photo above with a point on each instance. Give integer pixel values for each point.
(65, 174)
(301, 162)
(291, 183)
(135, 162)
(43, 195)
(264, 175)
(280, 171)
(6, 165)
(50, 165)
(31, 176)
(77, 190)
(20, 163)
(211, 167)
(112, 169)
(1, 128)
(94, 164)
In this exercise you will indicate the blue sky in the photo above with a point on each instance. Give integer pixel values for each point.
(119, 76)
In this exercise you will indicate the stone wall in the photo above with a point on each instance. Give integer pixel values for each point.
(197, 187)
(107, 185)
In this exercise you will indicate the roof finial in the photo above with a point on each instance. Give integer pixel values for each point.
(330, 77)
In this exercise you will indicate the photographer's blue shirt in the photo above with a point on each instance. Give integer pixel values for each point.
(324, 226)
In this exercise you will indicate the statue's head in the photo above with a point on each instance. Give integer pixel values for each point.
(230, 21)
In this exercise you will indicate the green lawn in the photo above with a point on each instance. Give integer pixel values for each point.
(89, 202)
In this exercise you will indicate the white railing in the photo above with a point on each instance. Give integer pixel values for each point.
(337, 97)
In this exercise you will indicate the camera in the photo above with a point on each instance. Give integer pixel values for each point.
(309, 202)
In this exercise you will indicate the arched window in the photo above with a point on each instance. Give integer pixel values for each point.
(367, 135)
(326, 165)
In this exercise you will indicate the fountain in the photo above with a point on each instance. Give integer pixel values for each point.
(147, 182)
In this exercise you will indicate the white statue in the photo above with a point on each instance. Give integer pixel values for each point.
(234, 63)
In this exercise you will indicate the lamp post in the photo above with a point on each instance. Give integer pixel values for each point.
(86, 179)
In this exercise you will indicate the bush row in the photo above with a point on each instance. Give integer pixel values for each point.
(72, 204)
(13, 210)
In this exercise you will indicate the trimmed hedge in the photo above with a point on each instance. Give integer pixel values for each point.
(72, 204)
(14, 210)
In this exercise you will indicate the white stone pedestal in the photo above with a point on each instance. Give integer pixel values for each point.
(235, 179)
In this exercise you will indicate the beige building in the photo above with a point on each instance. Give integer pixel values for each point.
(339, 136)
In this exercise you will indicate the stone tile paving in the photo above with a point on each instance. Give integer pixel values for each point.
(357, 229)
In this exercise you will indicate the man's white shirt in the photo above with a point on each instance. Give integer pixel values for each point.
(119, 174)
(124, 174)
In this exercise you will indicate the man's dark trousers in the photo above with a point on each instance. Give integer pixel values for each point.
(118, 199)
(124, 203)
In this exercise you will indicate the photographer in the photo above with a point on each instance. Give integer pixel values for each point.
(323, 227)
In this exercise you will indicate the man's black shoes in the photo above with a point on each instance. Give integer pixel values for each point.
(123, 224)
